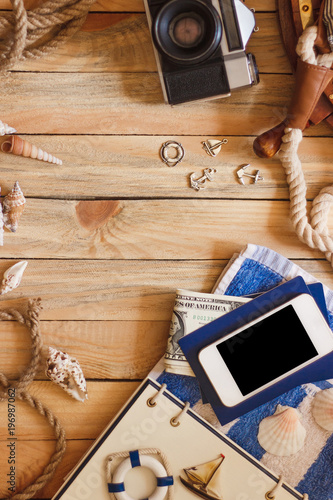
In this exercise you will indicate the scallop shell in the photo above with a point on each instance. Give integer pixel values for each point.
(6, 129)
(13, 206)
(12, 277)
(67, 373)
(282, 434)
(322, 409)
(21, 147)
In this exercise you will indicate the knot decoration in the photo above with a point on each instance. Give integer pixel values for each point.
(33, 34)
(31, 321)
(311, 230)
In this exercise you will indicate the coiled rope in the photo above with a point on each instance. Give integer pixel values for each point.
(313, 230)
(33, 34)
(31, 321)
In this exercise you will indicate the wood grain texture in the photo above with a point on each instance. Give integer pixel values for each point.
(105, 349)
(80, 420)
(133, 104)
(130, 167)
(150, 229)
(136, 5)
(124, 290)
(34, 455)
(122, 43)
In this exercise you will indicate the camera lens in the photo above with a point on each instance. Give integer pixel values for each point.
(187, 31)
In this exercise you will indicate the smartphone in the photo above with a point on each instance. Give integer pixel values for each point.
(266, 350)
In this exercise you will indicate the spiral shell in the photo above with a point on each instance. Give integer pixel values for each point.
(66, 372)
(6, 129)
(13, 206)
(20, 147)
(322, 409)
(1, 224)
(12, 277)
(282, 434)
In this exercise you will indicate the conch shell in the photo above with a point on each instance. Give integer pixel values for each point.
(12, 277)
(67, 373)
(13, 206)
(1, 224)
(282, 434)
(21, 147)
(6, 129)
(322, 409)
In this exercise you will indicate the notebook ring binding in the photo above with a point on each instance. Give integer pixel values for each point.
(175, 421)
(151, 402)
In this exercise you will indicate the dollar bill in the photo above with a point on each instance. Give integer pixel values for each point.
(192, 310)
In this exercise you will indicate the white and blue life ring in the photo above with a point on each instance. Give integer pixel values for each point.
(117, 487)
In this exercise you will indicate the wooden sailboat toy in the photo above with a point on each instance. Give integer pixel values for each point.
(205, 479)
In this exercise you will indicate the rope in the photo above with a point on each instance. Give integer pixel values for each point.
(313, 231)
(31, 321)
(23, 33)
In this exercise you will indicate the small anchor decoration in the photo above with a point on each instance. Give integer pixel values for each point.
(241, 173)
(213, 146)
(200, 183)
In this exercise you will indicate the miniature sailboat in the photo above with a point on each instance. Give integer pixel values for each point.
(205, 479)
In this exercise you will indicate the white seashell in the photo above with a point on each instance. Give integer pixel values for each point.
(282, 434)
(12, 277)
(67, 373)
(6, 129)
(322, 409)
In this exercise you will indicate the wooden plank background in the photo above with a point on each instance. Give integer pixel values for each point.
(112, 233)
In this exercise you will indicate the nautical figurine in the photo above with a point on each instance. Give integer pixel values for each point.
(205, 480)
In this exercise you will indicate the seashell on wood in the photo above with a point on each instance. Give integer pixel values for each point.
(1, 224)
(6, 129)
(282, 434)
(13, 206)
(322, 409)
(67, 373)
(12, 277)
(20, 147)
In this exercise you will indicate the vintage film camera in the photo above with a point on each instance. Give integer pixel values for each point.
(199, 47)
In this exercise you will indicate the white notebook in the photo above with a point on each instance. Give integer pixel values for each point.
(194, 445)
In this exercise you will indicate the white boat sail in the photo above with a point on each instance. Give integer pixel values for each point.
(205, 479)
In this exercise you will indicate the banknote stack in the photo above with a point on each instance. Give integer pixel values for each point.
(192, 310)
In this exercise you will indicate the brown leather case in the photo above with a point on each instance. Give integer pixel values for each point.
(291, 29)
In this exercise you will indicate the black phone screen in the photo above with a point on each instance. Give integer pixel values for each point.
(263, 352)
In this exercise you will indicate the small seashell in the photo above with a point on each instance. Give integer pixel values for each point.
(13, 206)
(282, 434)
(322, 409)
(21, 147)
(12, 277)
(67, 373)
(1, 224)
(6, 129)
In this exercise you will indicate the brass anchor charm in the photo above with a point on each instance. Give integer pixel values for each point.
(200, 183)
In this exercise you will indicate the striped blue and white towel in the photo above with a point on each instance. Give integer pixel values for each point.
(257, 269)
